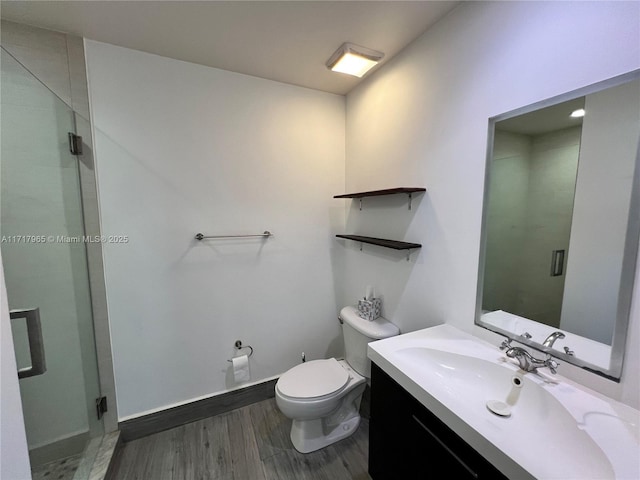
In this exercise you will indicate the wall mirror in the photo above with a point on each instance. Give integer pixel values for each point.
(561, 224)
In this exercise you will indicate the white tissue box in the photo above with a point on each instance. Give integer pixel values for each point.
(370, 309)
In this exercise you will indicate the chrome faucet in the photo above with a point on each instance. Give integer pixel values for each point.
(552, 338)
(528, 362)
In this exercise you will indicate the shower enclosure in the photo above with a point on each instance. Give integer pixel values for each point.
(45, 264)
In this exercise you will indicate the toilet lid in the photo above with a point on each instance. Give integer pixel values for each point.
(313, 379)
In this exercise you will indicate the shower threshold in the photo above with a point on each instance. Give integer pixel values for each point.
(97, 457)
(92, 464)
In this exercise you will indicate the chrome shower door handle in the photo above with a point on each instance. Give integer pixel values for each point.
(36, 345)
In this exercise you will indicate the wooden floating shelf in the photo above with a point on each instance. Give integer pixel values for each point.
(382, 242)
(377, 193)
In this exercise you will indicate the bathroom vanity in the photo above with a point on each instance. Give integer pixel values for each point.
(430, 392)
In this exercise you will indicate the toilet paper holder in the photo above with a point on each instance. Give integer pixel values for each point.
(238, 345)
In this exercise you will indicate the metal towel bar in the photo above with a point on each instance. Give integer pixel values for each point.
(265, 234)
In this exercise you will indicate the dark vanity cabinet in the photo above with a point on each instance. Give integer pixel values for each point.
(407, 441)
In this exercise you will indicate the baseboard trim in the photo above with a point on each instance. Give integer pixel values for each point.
(173, 417)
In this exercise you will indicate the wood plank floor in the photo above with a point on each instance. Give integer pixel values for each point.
(250, 443)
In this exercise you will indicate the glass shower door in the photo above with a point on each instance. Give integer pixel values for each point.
(45, 266)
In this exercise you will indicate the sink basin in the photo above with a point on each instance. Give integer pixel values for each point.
(551, 428)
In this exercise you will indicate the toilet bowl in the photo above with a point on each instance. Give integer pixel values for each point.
(324, 410)
(322, 397)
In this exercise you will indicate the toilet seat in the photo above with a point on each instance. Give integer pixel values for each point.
(314, 379)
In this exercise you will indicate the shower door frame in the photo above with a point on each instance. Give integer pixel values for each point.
(26, 44)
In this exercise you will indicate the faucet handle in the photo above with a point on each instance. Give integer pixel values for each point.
(506, 343)
(551, 363)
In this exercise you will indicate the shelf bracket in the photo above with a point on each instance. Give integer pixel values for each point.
(360, 203)
(408, 254)
(409, 195)
(360, 246)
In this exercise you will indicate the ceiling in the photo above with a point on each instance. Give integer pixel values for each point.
(286, 41)
(544, 120)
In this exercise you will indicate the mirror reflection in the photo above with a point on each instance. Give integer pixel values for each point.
(559, 246)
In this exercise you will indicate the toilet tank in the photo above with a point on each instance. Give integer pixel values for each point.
(357, 333)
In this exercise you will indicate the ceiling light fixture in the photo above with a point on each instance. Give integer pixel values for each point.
(578, 113)
(354, 59)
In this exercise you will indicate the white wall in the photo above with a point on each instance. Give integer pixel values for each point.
(611, 130)
(181, 149)
(14, 454)
(422, 120)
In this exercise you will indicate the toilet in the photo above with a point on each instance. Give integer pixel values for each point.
(322, 397)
